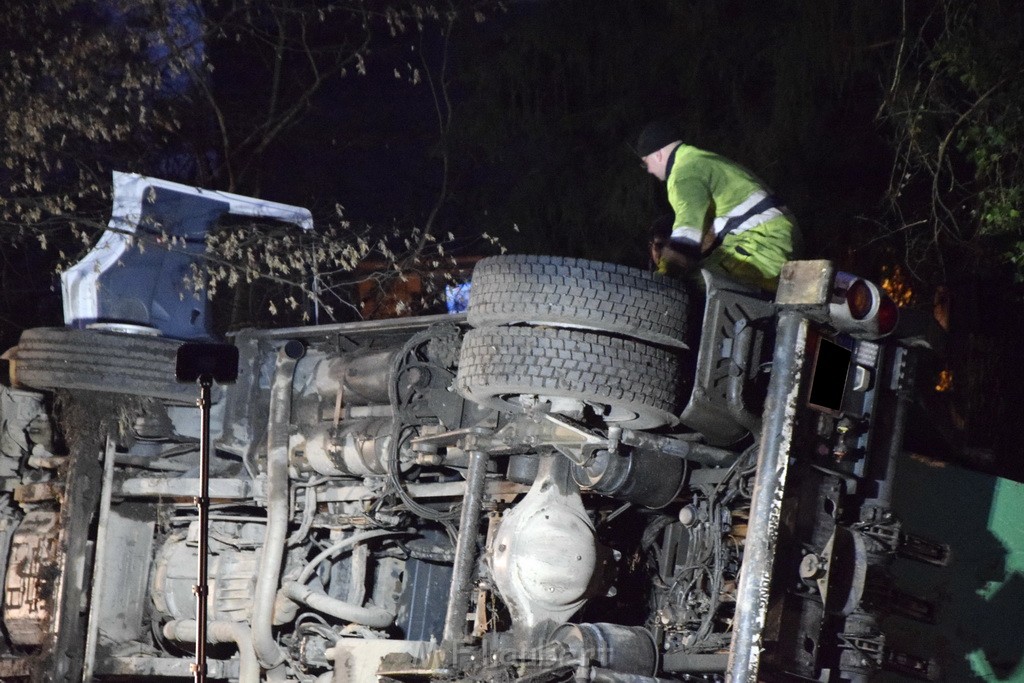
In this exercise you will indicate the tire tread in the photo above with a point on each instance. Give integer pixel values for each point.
(512, 289)
(596, 368)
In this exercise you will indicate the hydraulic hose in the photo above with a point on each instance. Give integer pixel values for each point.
(374, 617)
(278, 512)
(336, 549)
(184, 631)
(297, 590)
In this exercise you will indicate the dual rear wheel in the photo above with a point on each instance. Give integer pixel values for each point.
(581, 336)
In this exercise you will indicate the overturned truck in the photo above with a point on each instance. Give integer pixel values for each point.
(570, 482)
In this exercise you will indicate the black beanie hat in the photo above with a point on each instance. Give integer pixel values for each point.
(654, 136)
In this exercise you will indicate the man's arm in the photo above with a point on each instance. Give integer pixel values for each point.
(693, 204)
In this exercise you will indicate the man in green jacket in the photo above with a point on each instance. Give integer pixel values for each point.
(725, 219)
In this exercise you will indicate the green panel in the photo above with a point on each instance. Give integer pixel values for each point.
(980, 631)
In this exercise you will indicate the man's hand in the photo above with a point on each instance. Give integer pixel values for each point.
(656, 246)
(671, 261)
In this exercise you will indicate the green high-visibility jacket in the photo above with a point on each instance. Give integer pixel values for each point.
(725, 213)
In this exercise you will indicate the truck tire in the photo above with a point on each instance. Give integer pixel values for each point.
(137, 365)
(627, 383)
(570, 292)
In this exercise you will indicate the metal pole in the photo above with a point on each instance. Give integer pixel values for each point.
(465, 548)
(201, 589)
(766, 503)
(92, 635)
(904, 389)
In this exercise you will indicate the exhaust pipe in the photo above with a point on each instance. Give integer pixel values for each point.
(267, 650)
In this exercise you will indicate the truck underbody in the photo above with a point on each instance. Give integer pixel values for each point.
(573, 482)
(535, 493)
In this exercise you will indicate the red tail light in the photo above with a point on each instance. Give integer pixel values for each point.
(860, 308)
(888, 316)
(861, 299)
